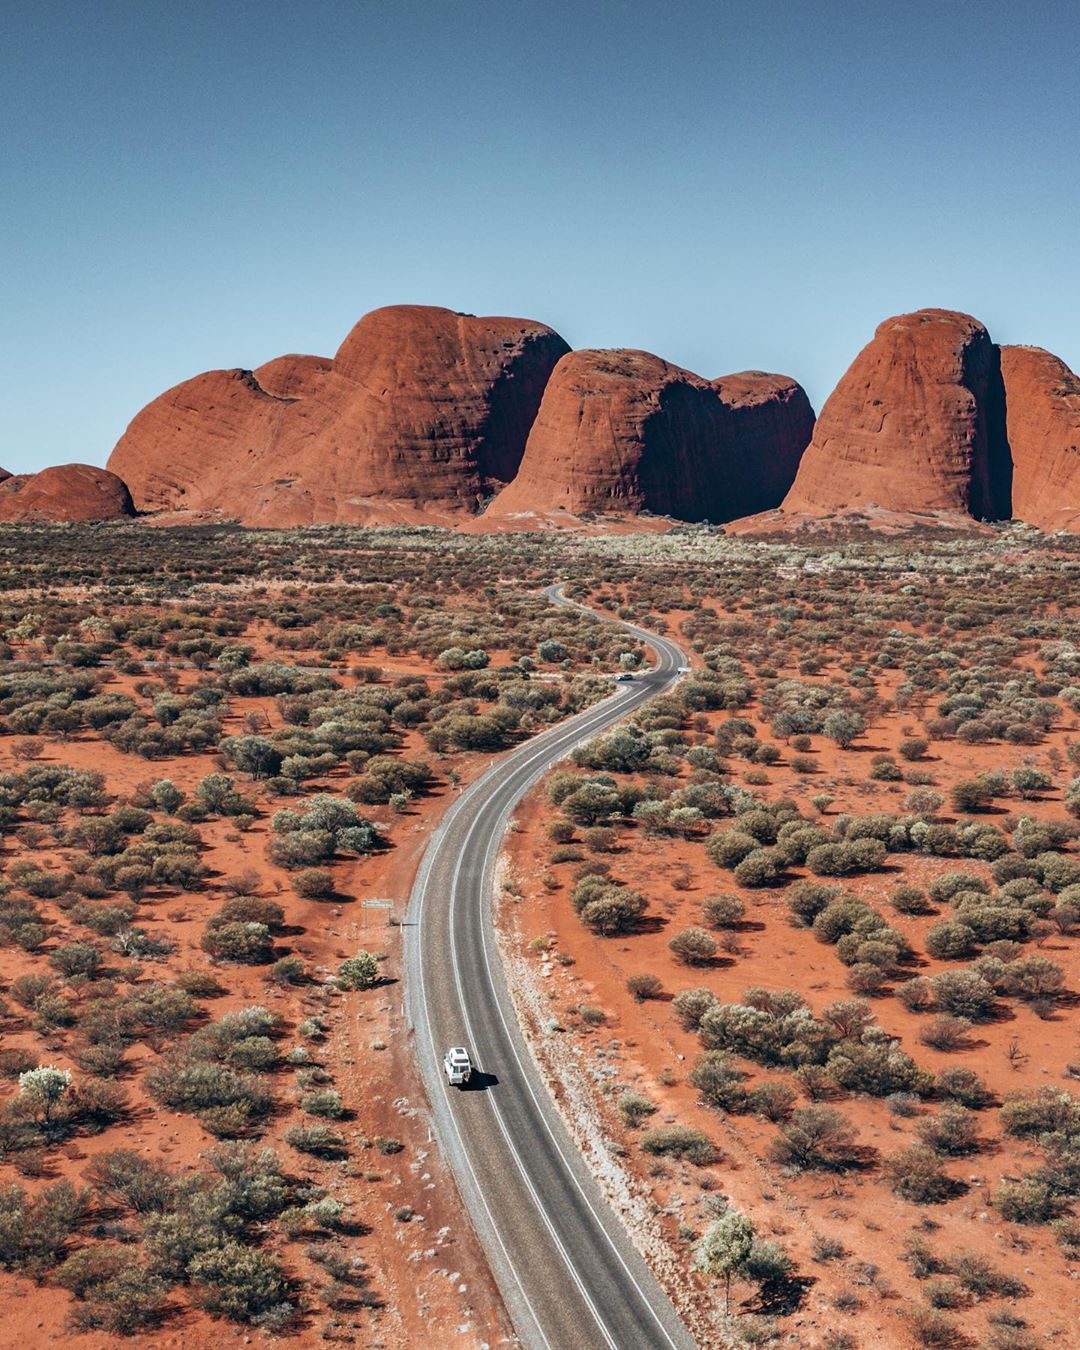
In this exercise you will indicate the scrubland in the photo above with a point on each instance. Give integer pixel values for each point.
(807, 925)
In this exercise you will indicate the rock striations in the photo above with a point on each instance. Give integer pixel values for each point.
(422, 412)
(1042, 416)
(67, 492)
(916, 424)
(625, 432)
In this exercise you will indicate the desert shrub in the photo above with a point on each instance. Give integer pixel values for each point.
(719, 1081)
(243, 907)
(1028, 1201)
(953, 1131)
(34, 1229)
(950, 941)
(773, 1101)
(634, 1108)
(1046, 1110)
(319, 1140)
(722, 911)
(842, 859)
(816, 1138)
(909, 900)
(963, 993)
(693, 947)
(613, 910)
(75, 958)
(945, 887)
(917, 995)
(877, 1066)
(241, 1283)
(691, 1005)
(945, 1032)
(932, 1329)
(963, 1085)
(679, 1141)
(313, 883)
(287, 970)
(325, 1103)
(1032, 978)
(915, 1174)
(141, 1183)
(762, 867)
(913, 747)
(728, 848)
(203, 1087)
(806, 899)
(246, 943)
(643, 987)
(980, 1278)
(971, 796)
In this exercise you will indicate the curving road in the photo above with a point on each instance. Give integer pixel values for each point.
(570, 1277)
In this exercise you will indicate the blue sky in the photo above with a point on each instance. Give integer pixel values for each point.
(730, 185)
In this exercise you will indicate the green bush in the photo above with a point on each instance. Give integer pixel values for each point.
(950, 941)
(679, 1141)
(358, 972)
(722, 911)
(318, 1140)
(719, 1081)
(693, 947)
(691, 1005)
(915, 1174)
(1028, 1201)
(953, 1131)
(241, 1283)
(816, 1139)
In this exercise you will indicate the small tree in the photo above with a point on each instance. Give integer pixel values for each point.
(725, 1250)
(42, 1089)
(844, 727)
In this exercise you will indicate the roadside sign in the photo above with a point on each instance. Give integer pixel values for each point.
(365, 905)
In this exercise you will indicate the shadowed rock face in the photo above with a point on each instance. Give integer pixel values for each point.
(421, 408)
(916, 424)
(625, 431)
(1042, 404)
(66, 492)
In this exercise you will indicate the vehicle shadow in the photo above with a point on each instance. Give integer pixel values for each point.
(480, 1082)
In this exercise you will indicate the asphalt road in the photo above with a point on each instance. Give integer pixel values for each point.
(570, 1277)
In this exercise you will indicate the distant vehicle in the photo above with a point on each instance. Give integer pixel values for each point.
(457, 1066)
(684, 670)
(624, 678)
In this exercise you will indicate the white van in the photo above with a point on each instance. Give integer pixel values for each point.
(457, 1066)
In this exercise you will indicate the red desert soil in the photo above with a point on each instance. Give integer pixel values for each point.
(427, 1271)
(641, 1045)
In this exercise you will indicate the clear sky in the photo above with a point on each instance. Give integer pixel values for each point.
(730, 185)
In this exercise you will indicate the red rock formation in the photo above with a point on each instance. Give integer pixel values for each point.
(66, 492)
(624, 431)
(916, 424)
(1042, 404)
(422, 411)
